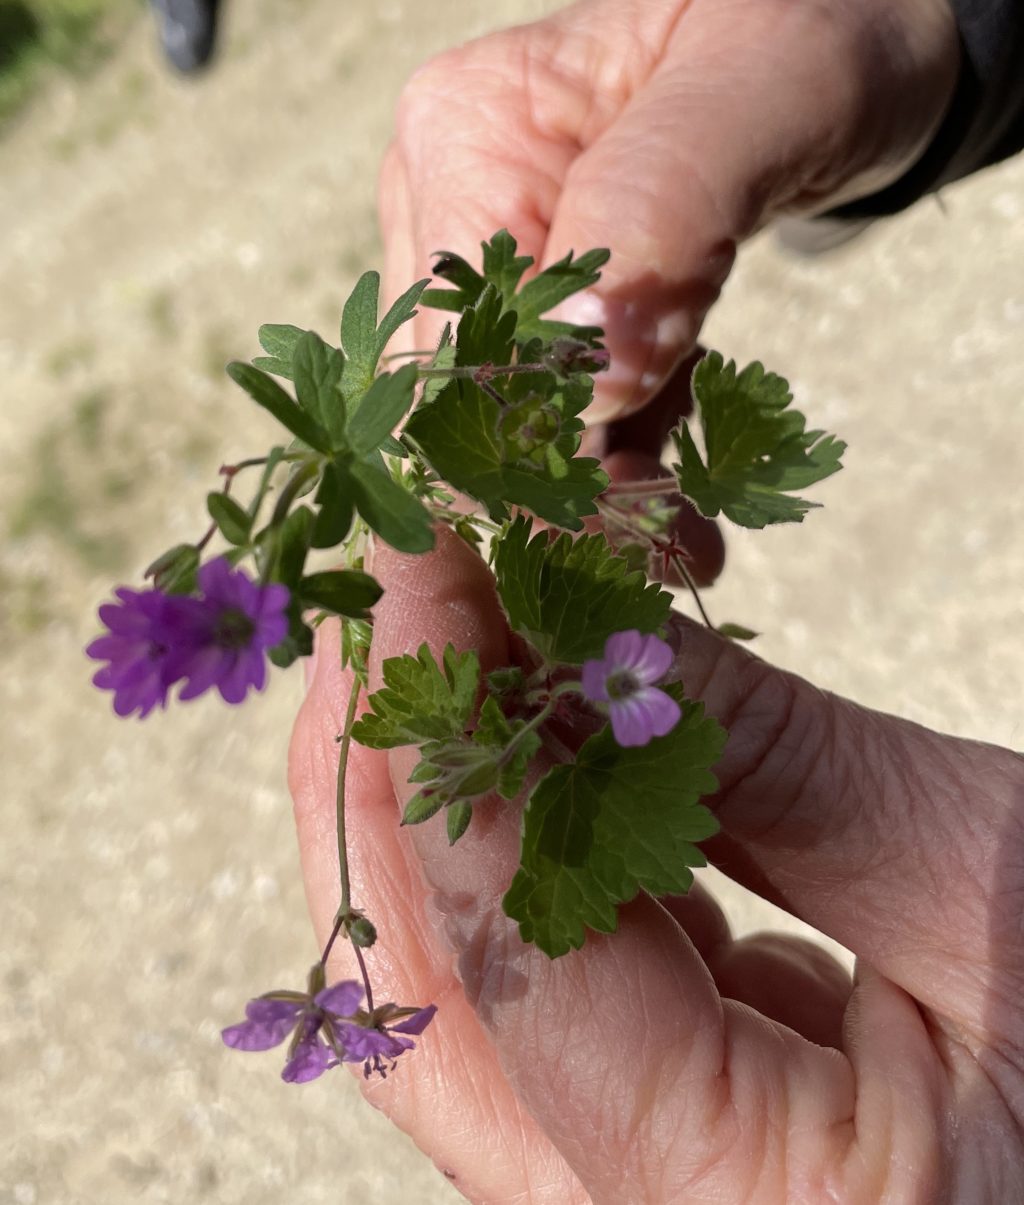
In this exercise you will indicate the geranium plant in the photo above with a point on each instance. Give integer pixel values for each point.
(593, 715)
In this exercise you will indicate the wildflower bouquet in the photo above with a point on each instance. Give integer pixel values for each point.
(591, 725)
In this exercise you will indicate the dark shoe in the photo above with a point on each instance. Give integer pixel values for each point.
(188, 31)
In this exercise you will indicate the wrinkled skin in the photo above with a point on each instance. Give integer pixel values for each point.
(668, 1063)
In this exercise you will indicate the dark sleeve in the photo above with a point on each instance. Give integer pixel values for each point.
(985, 121)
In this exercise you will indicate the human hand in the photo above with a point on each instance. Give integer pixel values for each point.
(666, 130)
(667, 1062)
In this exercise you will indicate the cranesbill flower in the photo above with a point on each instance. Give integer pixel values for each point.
(147, 629)
(310, 1018)
(623, 679)
(236, 623)
(328, 1027)
(372, 1042)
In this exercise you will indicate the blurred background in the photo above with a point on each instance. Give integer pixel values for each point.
(148, 873)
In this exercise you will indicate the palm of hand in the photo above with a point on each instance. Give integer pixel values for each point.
(665, 1063)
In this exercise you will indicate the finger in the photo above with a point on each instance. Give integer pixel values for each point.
(894, 840)
(631, 450)
(718, 137)
(786, 978)
(487, 131)
(395, 214)
(449, 1094)
(632, 1009)
(789, 979)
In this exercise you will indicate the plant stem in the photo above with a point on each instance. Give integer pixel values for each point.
(345, 906)
(642, 489)
(622, 521)
(482, 372)
(290, 490)
(366, 978)
(338, 925)
(684, 573)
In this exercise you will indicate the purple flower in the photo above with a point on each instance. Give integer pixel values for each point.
(145, 627)
(314, 1048)
(624, 680)
(156, 639)
(328, 1028)
(232, 629)
(371, 1041)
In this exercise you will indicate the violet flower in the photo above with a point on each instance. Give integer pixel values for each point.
(371, 1041)
(232, 629)
(145, 628)
(328, 1028)
(624, 681)
(221, 639)
(314, 1048)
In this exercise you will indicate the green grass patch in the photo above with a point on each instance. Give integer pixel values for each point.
(39, 37)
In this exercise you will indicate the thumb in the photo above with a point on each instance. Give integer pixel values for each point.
(752, 109)
(900, 843)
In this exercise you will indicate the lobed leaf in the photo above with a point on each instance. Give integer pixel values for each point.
(568, 596)
(756, 447)
(614, 823)
(420, 700)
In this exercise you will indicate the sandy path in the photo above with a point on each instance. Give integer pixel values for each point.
(148, 873)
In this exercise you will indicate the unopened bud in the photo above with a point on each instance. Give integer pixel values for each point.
(362, 933)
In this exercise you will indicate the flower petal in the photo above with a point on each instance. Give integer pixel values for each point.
(662, 710)
(363, 1042)
(257, 1035)
(622, 650)
(655, 660)
(342, 999)
(630, 723)
(593, 681)
(417, 1023)
(309, 1062)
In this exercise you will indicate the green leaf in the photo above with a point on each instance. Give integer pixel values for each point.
(467, 280)
(502, 267)
(298, 643)
(175, 571)
(285, 549)
(422, 806)
(317, 370)
(334, 518)
(614, 823)
(757, 449)
(278, 341)
(478, 447)
(495, 731)
(382, 407)
(356, 635)
(341, 591)
(568, 596)
(444, 357)
(268, 393)
(458, 818)
(363, 340)
(233, 521)
(551, 287)
(736, 631)
(287, 546)
(420, 700)
(486, 333)
(274, 458)
(389, 509)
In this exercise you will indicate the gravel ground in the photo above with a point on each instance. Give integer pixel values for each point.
(148, 873)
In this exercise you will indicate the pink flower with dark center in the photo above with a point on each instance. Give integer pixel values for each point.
(623, 680)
